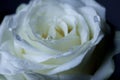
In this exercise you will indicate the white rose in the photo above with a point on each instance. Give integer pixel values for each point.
(49, 37)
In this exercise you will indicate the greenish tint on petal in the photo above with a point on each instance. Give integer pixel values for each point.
(22, 6)
(5, 34)
(19, 76)
(2, 77)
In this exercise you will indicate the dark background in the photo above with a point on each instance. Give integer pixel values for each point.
(112, 18)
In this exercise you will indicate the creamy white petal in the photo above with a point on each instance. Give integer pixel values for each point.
(94, 25)
(83, 30)
(99, 8)
(74, 59)
(66, 43)
(17, 65)
(5, 34)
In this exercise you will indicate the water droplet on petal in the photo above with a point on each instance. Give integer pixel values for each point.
(18, 37)
(96, 18)
(10, 29)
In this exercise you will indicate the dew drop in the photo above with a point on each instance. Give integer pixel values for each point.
(96, 19)
(18, 37)
(10, 29)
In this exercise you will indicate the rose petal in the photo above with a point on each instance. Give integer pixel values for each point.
(93, 25)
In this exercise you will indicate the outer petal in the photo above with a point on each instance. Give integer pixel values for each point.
(99, 9)
(93, 21)
(5, 34)
(107, 68)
